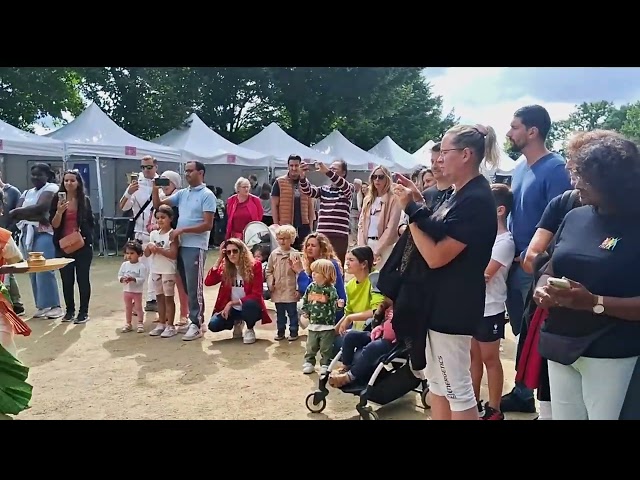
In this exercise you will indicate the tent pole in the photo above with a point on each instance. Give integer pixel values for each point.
(103, 233)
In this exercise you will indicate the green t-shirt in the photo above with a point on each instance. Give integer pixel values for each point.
(320, 304)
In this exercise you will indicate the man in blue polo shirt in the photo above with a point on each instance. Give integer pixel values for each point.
(196, 206)
(537, 179)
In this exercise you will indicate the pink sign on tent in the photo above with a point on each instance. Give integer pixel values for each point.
(231, 159)
(371, 166)
(130, 151)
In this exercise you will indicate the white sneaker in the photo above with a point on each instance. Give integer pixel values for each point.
(169, 332)
(249, 336)
(183, 328)
(41, 313)
(193, 332)
(158, 330)
(324, 369)
(55, 312)
(238, 330)
(307, 368)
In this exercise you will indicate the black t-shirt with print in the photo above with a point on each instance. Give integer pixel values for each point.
(469, 217)
(600, 252)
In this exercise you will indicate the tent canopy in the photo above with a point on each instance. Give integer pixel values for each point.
(14, 141)
(198, 142)
(276, 142)
(94, 134)
(402, 160)
(423, 154)
(337, 146)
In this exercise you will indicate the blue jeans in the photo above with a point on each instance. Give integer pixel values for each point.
(519, 284)
(282, 311)
(191, 269)
(363, 365)
(251, 314)
(43, 284)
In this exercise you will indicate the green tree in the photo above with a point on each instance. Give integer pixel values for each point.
(631, 126)
(27, 95)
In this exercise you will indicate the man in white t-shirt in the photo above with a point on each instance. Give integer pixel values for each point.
(485, 346)
(136, 196)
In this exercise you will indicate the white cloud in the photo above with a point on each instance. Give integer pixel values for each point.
(478, 96)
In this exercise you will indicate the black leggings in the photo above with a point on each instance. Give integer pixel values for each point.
(77, 270)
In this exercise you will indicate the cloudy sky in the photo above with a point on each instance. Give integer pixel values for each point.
(490, 95)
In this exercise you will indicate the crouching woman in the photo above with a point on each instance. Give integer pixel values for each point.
(239, 299)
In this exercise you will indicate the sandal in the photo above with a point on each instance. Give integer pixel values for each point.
(140, 328)
(127, 328)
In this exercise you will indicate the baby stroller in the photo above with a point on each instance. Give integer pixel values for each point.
(391, 380)
(257, 233)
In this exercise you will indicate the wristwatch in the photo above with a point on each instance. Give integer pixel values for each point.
(598, 308)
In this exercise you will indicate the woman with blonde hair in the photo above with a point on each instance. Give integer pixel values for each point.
(240, 296)
(455, 242)
(242, 209)
(380, 217)
(317, 246)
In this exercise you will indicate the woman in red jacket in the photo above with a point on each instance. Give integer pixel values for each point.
(240, 296)
(242, 208)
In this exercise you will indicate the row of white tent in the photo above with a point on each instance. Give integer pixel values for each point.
(94, 134)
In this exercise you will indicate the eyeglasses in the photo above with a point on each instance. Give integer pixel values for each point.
(232, 251)
(378, 177)
(147, 167)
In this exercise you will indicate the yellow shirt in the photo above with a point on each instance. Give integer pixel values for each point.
(361, 298)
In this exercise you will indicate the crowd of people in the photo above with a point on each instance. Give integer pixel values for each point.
(457, 259)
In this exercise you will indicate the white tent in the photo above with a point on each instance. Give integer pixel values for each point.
(14, 141)
(198, 142)
(276, 142)
(423, 154)
(403, 161)
(337, 146)
(505, 166)
(94, 134)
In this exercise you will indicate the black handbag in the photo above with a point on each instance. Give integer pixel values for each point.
(132, 221)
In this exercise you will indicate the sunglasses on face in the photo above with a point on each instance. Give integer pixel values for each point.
(146, 167)
(378, 177)
(232, 251)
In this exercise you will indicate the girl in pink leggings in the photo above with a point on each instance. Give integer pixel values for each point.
(132, 276)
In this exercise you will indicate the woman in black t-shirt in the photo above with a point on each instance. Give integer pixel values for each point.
(469, 223)
(592, 335)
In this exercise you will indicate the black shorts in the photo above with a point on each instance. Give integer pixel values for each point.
(491, 328)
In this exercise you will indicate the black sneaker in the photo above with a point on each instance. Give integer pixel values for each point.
(151, 306)
(18, 308)
(491, 414)
(68, 317)
(293, 337)
(279, 336)
(81, 318)
(480, 407)
(511, 402)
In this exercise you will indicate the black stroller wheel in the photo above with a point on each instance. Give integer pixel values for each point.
(314, 407)
(423, 397)
(369, 416)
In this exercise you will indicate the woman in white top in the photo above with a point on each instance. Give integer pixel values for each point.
(36, 235)
(380, 216)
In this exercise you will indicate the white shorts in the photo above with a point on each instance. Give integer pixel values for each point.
(163, 284)
(449, 369)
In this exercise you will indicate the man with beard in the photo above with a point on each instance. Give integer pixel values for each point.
(536, 180)
(289, 206)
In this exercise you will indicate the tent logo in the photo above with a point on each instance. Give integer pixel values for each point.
(231, 159)
(130, 151)
(1, 145)
(371, 166)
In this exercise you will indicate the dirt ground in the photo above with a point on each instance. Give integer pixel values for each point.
(93, 371)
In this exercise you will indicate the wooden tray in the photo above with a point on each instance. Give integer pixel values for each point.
(52, 264)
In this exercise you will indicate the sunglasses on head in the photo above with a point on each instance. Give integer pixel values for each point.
(378, 177)
(146, 167)
(232, 251)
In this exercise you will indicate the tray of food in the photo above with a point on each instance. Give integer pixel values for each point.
(37, 263)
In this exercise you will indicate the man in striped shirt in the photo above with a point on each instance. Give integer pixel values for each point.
(335, 203)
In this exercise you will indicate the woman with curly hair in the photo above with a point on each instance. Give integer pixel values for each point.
(317, 246)
(591, 337)
(240, 296)
(380, 217)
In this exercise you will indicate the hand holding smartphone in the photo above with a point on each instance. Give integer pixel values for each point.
(559, 283)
